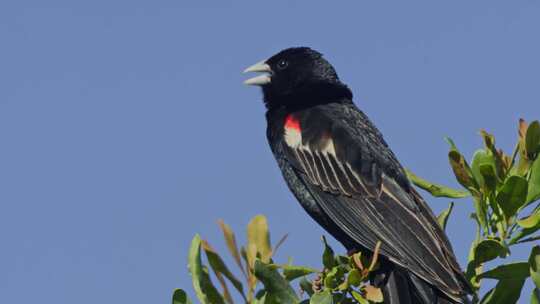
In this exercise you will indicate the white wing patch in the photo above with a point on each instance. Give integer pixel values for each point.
(293, 137)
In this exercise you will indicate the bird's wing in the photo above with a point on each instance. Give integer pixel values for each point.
(355, 178)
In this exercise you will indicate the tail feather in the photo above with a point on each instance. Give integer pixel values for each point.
(396, 289)
(402, 287)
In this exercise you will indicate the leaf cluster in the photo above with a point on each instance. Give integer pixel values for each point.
(505, 190)
(343, 279)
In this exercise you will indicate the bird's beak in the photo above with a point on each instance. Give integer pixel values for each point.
(261, 67)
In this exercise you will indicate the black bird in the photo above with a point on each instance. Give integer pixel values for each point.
(345, 176)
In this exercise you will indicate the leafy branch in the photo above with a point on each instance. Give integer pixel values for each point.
(505, 189)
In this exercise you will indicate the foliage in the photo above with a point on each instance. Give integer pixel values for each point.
(343, 279)
(505, 190)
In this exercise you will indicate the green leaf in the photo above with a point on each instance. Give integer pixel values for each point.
(204, 289)
(481, 211)
(531, 221)
(331, 280)
(324, 297)
(435, 189)
(328, 255)
(534, 263)
(180, 297)
(277, 288)
(490, 178)
(307, 286)
(534, 182)
(512, 195)
(451, 143)
(519, 270)
(443, 217)
(293, 272)
(488, 250)
(481, 158)
(258, 235)
(195, 268)
(358, 297)
(505, 292)
(532, 139)
(354, 278)
(535, 296)
(521, 234)
(473, 268)
(219, 267)
(260, 298)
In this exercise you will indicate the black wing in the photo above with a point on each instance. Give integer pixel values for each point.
(355, 178)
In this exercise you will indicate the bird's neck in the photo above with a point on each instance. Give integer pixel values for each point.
(307, 96)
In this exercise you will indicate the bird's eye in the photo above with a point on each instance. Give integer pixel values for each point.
(282, 64)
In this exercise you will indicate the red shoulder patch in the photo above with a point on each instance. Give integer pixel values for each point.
(292, 122)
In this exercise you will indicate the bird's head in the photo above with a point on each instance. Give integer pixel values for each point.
(293, 73)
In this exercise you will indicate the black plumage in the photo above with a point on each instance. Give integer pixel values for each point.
(343, 173)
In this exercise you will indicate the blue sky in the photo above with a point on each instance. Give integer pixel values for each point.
(125, 127)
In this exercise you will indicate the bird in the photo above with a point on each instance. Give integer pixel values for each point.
(343, 173)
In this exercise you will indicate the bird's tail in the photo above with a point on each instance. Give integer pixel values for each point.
(403, 287)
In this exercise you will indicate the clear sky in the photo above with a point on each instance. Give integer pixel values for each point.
(125, 127)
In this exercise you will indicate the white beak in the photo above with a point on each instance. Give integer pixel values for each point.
(261, 79)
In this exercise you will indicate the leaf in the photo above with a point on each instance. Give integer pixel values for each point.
(258, 235)
(481, 215)
(534, 263)
(251, 255)
(293, 272)
(230, 240)
(473, 268)
(489, 140)
(331, 280)
(533, 192)
(359, 298)
(180, 297)
(531, 221)
(499, 158)
(220, 267)
(328, 255)
(435, 189)
(488, 250)
(505, 292)
(522, 129)
(354, 278)
(521, 234)
(519, 270)
(490, 178)
(481, 158)
(307, 286)
(324, 297)
(532, 139)
(451, 143)
(195, 268)
(512, 195)
(373, 294)
(277, 288)
(204, 289)
(461, 169)
(375, 256)
(443, 217)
